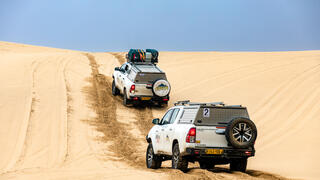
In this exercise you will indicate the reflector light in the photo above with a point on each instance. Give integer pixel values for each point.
(220, 127)
(135, 98)
(165, 99)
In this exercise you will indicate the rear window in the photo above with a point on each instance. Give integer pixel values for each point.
(132, 74)
(188, 115)
(214, 116)
(149, 77)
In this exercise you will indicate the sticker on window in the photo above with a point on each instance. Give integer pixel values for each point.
(206, 112)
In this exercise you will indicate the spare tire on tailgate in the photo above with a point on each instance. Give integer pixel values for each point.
(241, 132)
(161, 87)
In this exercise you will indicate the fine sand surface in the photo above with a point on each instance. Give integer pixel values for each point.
(58, 119)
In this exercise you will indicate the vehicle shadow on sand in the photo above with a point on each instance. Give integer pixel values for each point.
(220, 173)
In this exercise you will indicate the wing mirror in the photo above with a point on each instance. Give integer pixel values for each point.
(155, 121)
(117, 69)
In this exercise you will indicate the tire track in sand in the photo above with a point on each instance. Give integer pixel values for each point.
(123, 144)
(69, 111)
(27, 138)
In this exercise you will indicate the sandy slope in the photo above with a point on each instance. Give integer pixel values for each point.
(281, 90)
(59, 121)
(45, 131)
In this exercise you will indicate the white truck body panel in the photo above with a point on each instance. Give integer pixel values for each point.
(207, 136)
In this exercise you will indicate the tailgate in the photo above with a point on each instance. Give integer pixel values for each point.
(206, 136)
(142, 90)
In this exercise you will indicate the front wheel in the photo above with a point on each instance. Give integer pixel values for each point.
(152, 161)
(239, 164)
(115, 90)
(178, 161)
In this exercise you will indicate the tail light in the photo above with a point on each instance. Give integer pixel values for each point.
(221, 127)
(165, 99)
(132, 88)
(248, 153)
(191, 136)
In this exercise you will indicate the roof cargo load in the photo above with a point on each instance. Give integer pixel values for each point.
(154, 55)
(136, 55)
(141, 56)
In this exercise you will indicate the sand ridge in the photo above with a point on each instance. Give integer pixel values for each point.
(56, 105)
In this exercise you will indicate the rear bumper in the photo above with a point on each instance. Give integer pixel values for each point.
(138, 98)
(228, 153)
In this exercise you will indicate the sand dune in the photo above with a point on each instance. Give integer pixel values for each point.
(58, 119)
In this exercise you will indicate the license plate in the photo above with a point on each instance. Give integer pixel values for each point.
(214, 151)
(145, 98)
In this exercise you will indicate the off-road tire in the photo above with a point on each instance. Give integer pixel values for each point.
(178, 161)
(152, 161)
(238, 164)
(241, 132)
(163, 104)
(153, 84)
(115, 90)
(206, 164)
(125, 99)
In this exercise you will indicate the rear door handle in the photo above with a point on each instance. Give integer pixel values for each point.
(162, 129)
(170, 129)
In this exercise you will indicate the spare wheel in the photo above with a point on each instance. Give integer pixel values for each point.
(241, 132)
(161, 88)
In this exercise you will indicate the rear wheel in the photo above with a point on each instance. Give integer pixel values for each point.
(239, 164)
(163, 103)
(178, 161)
(125, 99)
(115, 90)
(206, 164)
(152, 161)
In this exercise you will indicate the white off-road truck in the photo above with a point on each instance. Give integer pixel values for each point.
(140, 79)
(210, 133)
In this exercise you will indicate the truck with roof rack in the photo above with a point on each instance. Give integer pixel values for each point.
(209, 133)
(140, 80)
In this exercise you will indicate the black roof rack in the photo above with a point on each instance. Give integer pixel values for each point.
(187, 102)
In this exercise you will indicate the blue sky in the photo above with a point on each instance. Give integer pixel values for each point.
(204, 25)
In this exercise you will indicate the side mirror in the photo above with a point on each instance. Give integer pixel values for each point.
(117, 69)
(155, 121)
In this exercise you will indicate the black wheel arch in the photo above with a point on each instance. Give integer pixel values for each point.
(175, 141)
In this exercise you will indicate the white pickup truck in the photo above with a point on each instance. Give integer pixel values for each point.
(141, 81)
(210, 133)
